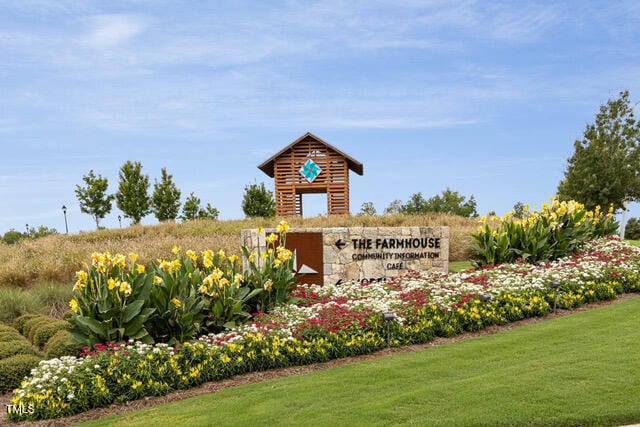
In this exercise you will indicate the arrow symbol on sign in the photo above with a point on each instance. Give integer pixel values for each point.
(340, 244)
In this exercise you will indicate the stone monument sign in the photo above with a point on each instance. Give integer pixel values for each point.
(336, 255)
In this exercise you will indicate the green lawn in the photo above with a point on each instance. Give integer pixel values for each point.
(633, 242)
(457, 266)
(582, 369)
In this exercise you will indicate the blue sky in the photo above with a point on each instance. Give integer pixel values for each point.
(483, 97)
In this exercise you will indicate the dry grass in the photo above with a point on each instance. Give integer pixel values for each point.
(56, 258)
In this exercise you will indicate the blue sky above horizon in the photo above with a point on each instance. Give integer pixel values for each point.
(485, 98)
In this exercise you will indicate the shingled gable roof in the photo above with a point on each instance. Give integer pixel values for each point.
(267, 166)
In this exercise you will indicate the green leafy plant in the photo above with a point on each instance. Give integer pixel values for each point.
(109, 300)
(559, 229)
(93, 197)
(270, 271)
(176, 300)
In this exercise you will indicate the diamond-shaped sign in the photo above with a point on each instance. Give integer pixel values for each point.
(310, 170)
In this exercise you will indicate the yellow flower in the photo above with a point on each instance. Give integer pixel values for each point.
(175, 265)
(82, 276)
(157, 280)
(284, 254)
(233, 259)
(271, 238)
(191, 254)
(125, 288)
(112, 283)
(223, 282)
(277, 263)
(176, 302)
(73, 304)
(119, 260)
(268, 285)
(221, 254)
(238, 278)
(175, 250)
(225, 359)
(252, 258)
(140, 269)
(133, 257)
(283, 227)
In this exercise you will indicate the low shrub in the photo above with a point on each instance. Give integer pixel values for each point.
(43, 332)
(20, 321)
(6, 336)
(38, 323)
(30, 323)
(61, 344)
(13, 370)
(11, 348)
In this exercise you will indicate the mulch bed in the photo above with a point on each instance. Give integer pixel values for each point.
(254, 377)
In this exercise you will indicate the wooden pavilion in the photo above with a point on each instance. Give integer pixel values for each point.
(310, 165)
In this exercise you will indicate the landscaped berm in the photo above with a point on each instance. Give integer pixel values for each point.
(148, 329)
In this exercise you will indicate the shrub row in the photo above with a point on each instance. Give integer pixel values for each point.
(17, 358)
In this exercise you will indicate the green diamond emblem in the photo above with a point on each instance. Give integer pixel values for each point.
(310, 170)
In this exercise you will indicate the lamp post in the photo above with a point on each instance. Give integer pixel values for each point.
(120, 220)
(554, 286)
(27, 227)
(66, 227)
(388, 316)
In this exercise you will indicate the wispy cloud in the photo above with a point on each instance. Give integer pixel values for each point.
(111, 30)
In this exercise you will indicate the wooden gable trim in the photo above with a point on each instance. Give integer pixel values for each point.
(268, 166)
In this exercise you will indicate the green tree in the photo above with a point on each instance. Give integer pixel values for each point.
(632, 230)
(41, 231)
(450, 202)
(394, 207)
(518, 210)
(605, 166)
(191, 209)
(93, 197)
(165, 200)
(258, 201)
(368, 208)
(132, 197)
(12, 236)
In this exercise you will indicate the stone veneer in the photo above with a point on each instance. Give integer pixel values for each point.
(372, 253)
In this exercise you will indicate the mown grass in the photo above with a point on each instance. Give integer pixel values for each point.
(581, 369)
(633, 242)
(55, 258)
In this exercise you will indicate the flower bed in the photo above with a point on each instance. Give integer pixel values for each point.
(330, 322)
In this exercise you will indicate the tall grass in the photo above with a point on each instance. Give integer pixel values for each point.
(55, 258)
(43, 298)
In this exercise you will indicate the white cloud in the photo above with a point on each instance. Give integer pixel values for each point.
(112, 30)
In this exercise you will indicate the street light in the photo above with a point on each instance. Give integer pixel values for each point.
(388, 316)
(120, 220)
(554, 286)
(66, 227)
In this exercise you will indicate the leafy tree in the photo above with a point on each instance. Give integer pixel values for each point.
(191, 209)
(165, 200)
(258, 201)
(518, 210)
(41, 231)
(132, 197)
(93, 197)
(368, 208)
(394, 207)
(12, 236)
(605, 167)
(450, 202)
(632, 229)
